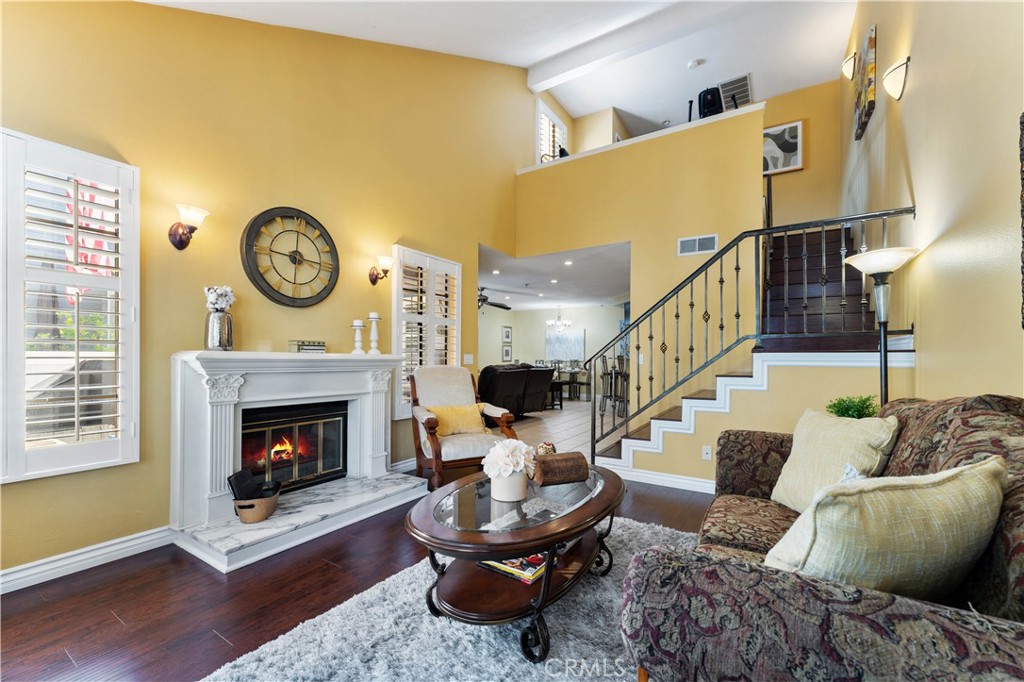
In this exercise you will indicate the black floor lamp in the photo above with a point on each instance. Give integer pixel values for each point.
(881, 263)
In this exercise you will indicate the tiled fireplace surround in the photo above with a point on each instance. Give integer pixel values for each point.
(209, 391)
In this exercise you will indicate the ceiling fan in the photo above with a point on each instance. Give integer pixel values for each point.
(483, 299)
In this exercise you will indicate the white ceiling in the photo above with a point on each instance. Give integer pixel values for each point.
(597, 276)
(591, 56)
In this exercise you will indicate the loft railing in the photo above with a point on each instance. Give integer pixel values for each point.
(782, 282)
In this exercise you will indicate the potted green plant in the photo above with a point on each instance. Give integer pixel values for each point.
(854, 406)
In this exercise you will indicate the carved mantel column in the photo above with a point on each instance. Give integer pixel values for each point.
(380, 429)
(222, 395)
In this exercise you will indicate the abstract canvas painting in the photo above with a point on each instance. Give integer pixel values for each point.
(568, 344)
(783, 148)
(864, 105)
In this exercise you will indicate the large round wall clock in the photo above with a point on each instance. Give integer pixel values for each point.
(289, 256)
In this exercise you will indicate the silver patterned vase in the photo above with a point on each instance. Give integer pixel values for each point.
(219, 332)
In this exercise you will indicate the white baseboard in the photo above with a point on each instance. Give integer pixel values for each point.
(404, 466)
(26, 575)
(697, 485)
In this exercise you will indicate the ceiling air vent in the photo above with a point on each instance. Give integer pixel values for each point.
(740, 87)
(691, 246)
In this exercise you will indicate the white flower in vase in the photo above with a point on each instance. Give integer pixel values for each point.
(219, 299)
(508, 457)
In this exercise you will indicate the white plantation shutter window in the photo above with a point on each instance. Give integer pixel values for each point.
(69, 346)
(551, 134)
(427, 329)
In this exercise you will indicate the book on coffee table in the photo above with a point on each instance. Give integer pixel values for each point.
(525, 569)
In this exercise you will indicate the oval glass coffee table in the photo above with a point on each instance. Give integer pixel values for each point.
(559, 522)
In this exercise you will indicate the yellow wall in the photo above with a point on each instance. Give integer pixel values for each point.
(619, 127)
(811, 193)
(701, 179)
(238, 117)
(595, 130)
(950, 147)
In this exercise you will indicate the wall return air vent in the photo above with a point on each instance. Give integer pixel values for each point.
(692, 246)
(740, 87)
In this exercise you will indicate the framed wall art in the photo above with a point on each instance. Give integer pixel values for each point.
(506, 334)
(783, 148)
(506, 353)
(864, 78)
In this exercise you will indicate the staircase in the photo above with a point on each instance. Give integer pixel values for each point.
(802, 281)
(775, 292)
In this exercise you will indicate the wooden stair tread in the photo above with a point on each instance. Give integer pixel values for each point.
(613, 451)
(703, 394)
(836, 343)
(673, 414)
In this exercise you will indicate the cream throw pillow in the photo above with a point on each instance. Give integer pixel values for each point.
(822, 447)
(917, 536)
(452, 419)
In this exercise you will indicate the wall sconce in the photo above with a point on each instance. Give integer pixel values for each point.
(848, 66)
(881, 263)
(381, 270)
(895, 79)
(189, 220)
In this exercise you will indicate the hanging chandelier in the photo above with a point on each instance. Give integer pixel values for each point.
(558, 324)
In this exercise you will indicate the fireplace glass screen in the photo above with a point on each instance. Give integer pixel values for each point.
(298, 445)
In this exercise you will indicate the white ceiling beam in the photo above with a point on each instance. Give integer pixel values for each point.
(672, 23)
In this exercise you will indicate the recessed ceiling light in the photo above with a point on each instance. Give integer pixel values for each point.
(554, 281)
(666, 123)
(568, 262)
(506, 298)
(694, 63)
(495, 272)
(541, 295)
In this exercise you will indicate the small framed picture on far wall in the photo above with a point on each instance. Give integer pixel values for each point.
(506, 353)
(506, 334)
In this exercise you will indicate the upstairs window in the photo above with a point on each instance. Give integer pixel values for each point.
(428, 327)
(552, 134)
(70, 342)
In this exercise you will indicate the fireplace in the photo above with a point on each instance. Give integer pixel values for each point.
(298, 445)
(212, 390)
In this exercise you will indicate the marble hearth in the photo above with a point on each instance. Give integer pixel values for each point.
(209, 391)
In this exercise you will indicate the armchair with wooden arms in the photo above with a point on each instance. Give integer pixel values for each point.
(447, 434)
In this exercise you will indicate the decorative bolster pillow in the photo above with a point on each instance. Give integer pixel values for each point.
(565, 467)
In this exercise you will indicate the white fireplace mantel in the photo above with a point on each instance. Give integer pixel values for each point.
(209, 390)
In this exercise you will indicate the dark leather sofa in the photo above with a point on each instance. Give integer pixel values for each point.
(518, 388)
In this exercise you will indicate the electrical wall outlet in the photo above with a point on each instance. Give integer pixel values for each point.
(467, 359)
(706, 453)
(639, 358)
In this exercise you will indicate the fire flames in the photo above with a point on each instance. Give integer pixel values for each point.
(282, 451)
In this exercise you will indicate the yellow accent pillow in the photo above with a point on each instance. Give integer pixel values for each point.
(917, 536)
(452, 419)
(823, 445)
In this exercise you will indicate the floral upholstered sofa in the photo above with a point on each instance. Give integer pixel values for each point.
(717, 612)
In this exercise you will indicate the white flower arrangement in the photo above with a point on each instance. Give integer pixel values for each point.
(219, 299)
(508, 457)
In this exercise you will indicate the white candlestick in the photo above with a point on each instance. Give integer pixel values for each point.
(374, 337)
(357, 325)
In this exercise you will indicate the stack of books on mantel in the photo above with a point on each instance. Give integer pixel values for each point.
(526, 569)
(307, 347)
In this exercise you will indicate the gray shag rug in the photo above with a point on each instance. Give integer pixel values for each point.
(386, 633)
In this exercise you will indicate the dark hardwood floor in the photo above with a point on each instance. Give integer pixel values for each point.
(165, 615)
